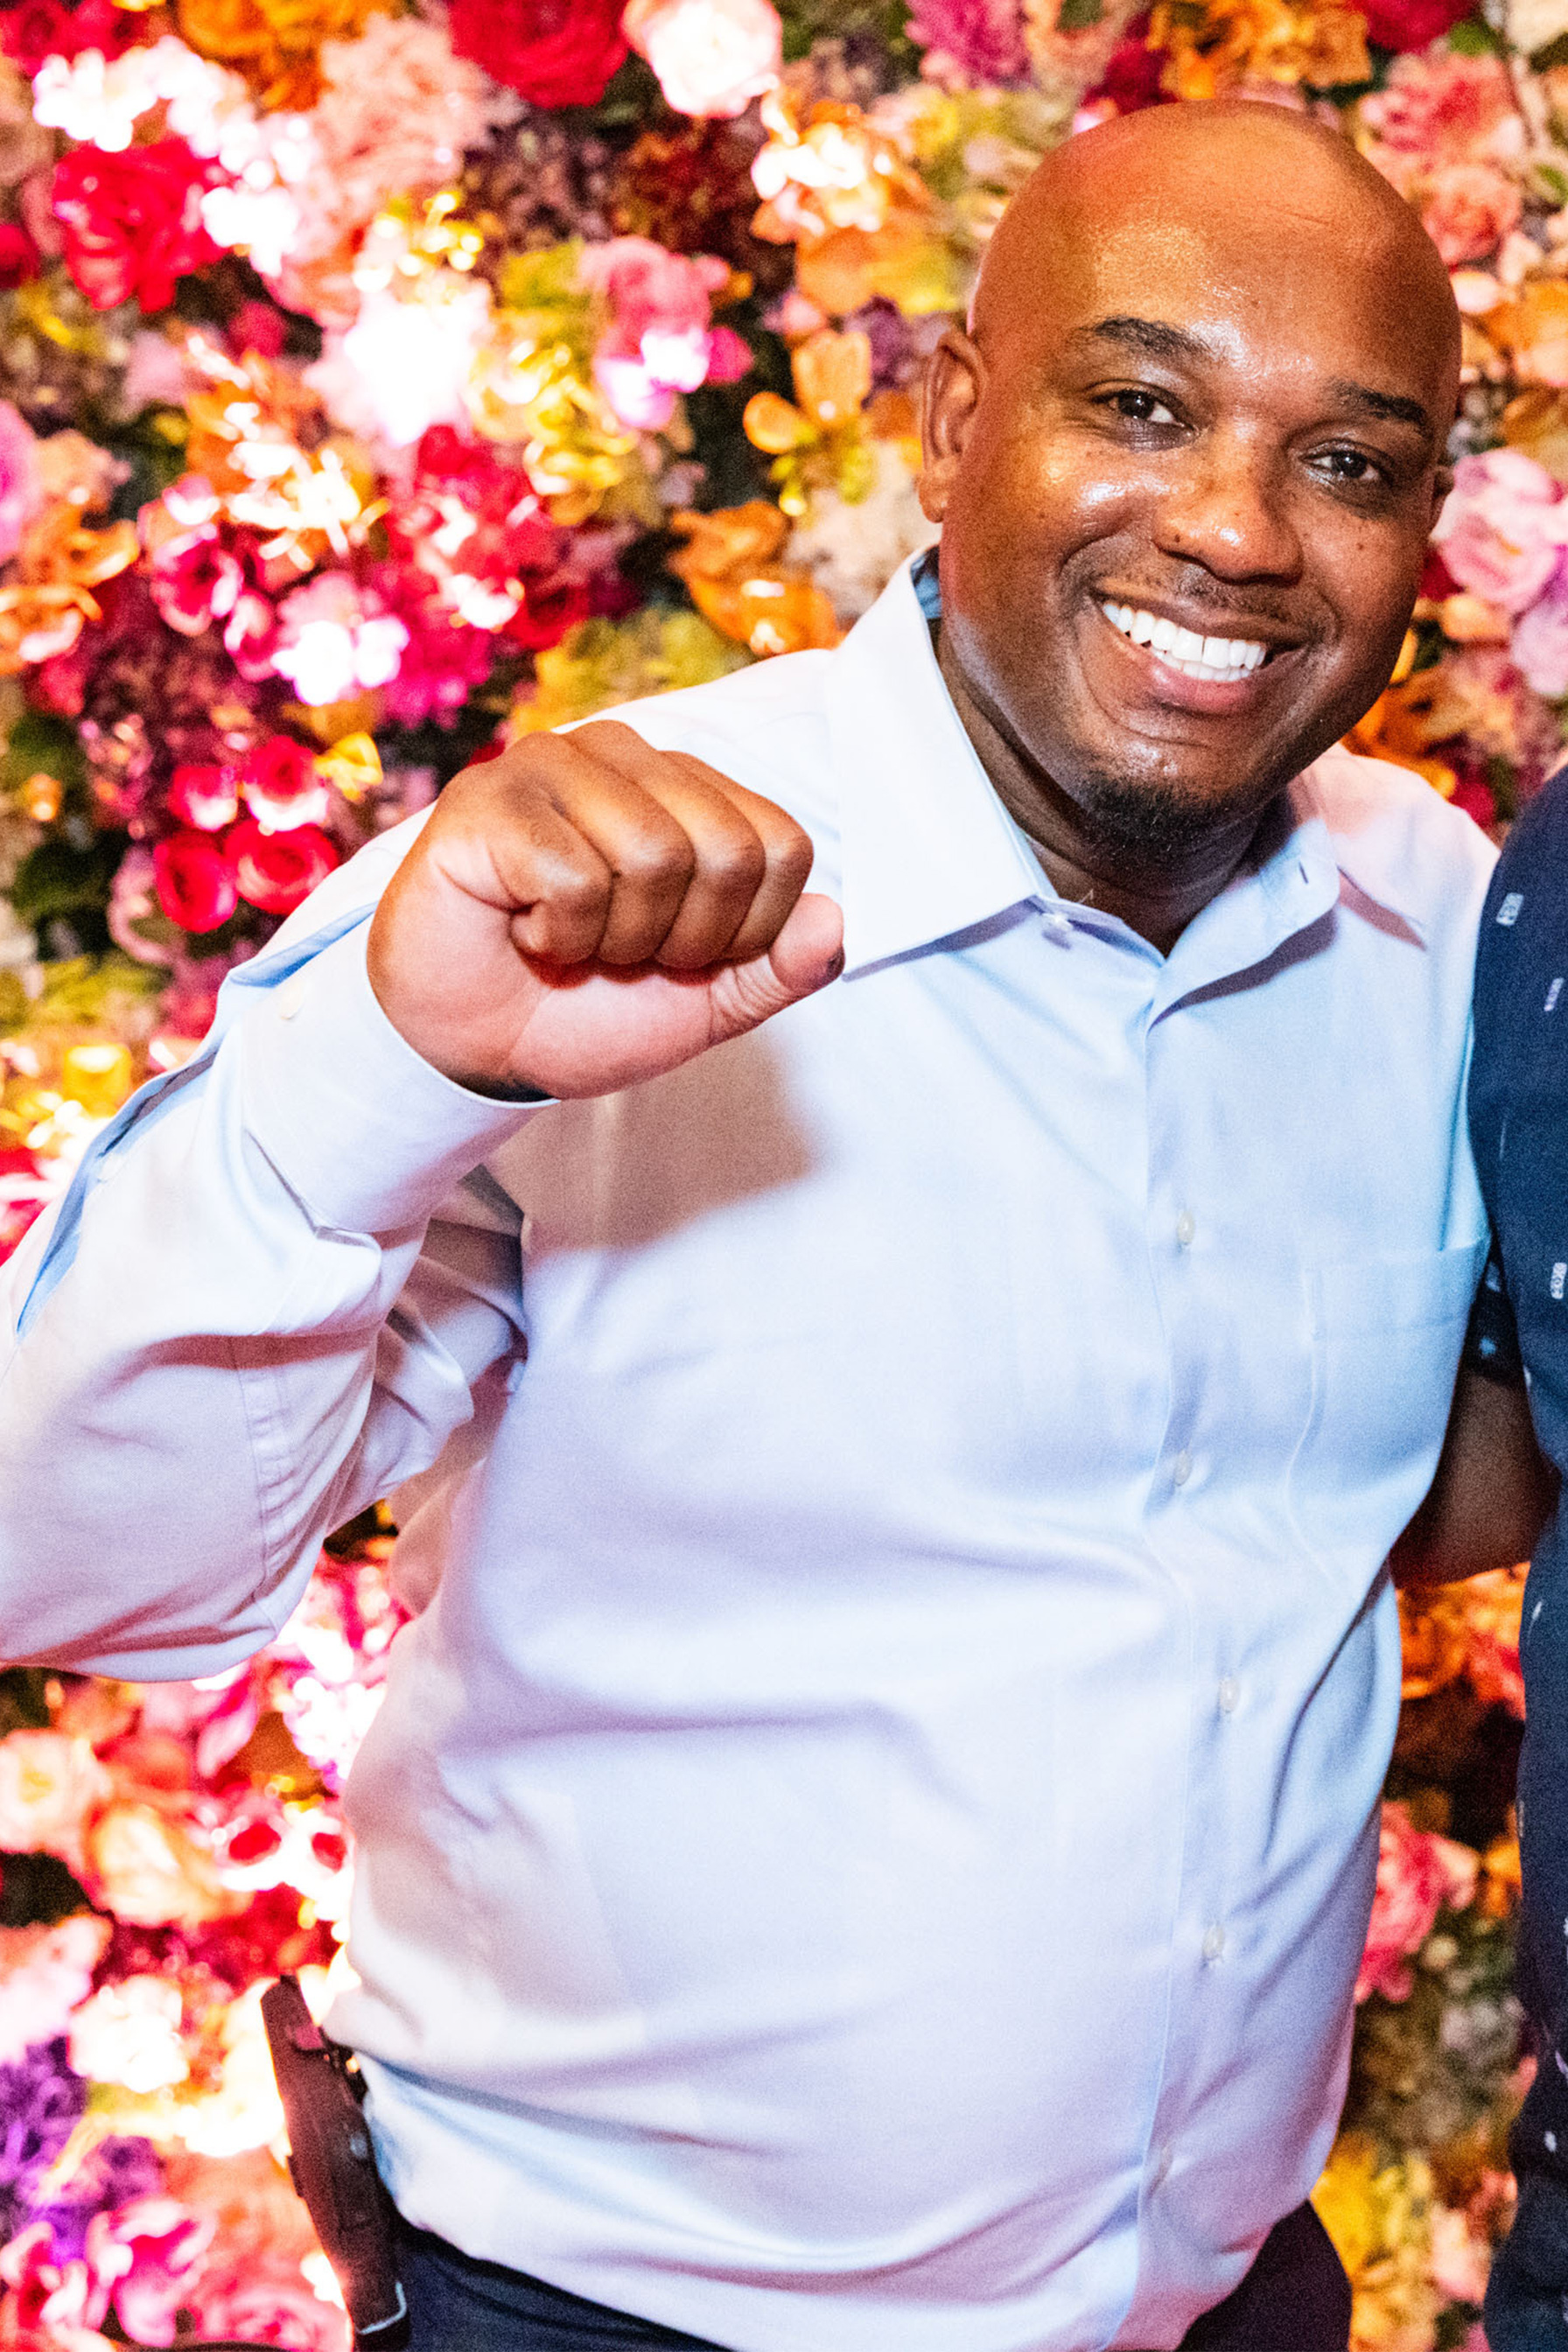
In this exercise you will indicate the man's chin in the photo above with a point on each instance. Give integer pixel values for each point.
(1150, 822)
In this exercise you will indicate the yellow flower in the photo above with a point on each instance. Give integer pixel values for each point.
(822, 439)
(1379, 2217)
(601, 663)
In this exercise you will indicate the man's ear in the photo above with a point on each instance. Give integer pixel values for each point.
(1442, 483)
(955, 378)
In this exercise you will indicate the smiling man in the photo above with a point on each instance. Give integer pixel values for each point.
(869, 1839)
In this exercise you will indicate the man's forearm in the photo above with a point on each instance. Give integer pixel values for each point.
(189, 1392)
(1492, 1492)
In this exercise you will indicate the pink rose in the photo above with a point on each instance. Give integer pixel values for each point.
(194, 581)
(146, 2255)
(1417, 1873)
(54, 2305)
(661, 342)
(1442, 108)
(711, 56)
(1467, 210)
(972, 41)
(1503, 529)
(266, 2300)
(1541, 643)
(51, 1785)
(20, 484)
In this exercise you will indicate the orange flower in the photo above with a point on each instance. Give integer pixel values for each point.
(275, 44)
(1533, 331)
(839, 188)
(730, 571)
(1213, 44)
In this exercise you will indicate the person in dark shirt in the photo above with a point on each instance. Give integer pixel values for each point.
(1499, 1482)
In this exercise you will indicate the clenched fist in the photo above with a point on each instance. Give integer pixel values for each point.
(586, 911)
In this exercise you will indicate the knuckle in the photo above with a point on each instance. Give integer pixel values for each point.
(737, 865)
(655, 857)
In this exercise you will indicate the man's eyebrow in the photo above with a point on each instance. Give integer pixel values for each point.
(1392, 406)
(1155, 336)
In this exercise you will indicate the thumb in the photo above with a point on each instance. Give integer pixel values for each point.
(807, 953)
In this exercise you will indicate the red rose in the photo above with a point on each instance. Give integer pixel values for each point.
(282, 786)
(549, 608)
(1411, 24)
(43, 28)
(276, 871)
(194, 880)
(1131, 80)
(18, 256)
(556, 52)
(203, 796)
(132, 223)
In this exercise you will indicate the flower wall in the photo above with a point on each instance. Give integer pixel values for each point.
(379, 383)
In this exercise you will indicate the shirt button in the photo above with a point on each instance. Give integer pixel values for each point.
(1214, 1943)
(1182, 1467)
(290, 997)
(1229, 1692)
(1187, 1226)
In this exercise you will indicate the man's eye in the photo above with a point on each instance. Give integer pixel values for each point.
(1352, 466)
(1142, 408)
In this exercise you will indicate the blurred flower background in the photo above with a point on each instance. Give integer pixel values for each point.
(379, 383)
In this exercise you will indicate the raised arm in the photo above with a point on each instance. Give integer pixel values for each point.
(242, 1325)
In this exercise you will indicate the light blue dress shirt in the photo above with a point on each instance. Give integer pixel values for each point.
(869, 1839)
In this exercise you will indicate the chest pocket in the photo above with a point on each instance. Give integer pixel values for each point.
(1386, 1335)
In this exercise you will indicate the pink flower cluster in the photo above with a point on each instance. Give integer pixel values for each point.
(1502, 536)
(1446, 131)
(1417, 1873)
(661, 341)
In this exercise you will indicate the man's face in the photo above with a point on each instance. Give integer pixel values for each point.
(1186, 485)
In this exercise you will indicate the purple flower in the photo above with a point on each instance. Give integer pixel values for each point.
(41, 2100)
(118, 2171)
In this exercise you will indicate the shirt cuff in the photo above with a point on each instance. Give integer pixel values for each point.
(369, 1135)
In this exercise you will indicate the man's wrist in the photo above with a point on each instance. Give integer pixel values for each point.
(369, 1134)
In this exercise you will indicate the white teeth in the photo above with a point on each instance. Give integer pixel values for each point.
(1222, 658)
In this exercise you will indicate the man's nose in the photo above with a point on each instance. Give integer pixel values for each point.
(1228, 509)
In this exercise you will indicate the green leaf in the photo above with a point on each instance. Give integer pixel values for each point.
(58, 879)
(35, 1889)
(24, 1703)
(1474, 39)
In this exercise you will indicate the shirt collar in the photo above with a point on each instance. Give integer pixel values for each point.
(927, 849)
(930, 853)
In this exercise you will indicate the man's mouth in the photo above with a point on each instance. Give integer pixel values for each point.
(1216, 661)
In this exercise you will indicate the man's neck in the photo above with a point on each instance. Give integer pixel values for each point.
(1156, 898)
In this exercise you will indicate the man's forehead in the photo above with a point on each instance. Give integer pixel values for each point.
(1225, 289)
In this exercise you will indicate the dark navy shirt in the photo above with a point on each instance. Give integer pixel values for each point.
(1519, 1123)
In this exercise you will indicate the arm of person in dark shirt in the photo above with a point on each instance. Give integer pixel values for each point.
(1492, 1493)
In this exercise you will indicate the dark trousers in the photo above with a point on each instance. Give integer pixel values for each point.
(1294, 2298)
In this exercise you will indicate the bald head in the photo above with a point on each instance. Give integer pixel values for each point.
(1239, 174)
(1186, 461)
